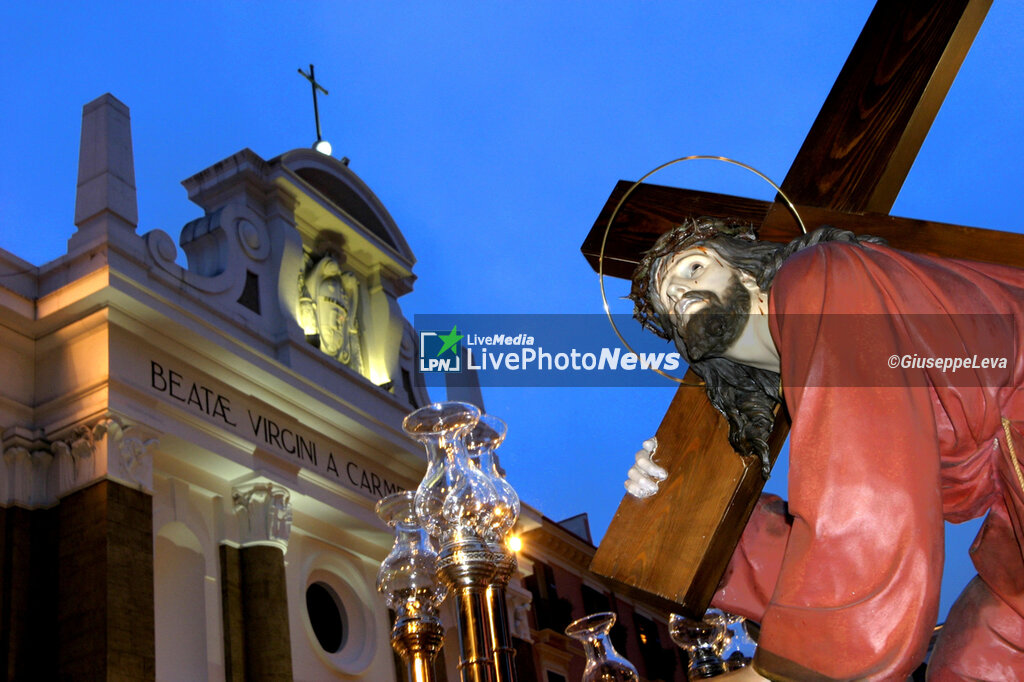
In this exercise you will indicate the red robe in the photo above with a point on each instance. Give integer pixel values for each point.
(846, 585)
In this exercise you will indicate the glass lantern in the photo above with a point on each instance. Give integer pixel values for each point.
(454, 497)
(703, 640)
(482, 441)
(407, 577)
(604, 664)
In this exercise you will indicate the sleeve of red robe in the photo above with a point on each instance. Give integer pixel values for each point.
(857, 580)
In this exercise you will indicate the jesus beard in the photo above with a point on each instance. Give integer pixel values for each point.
(713, 329)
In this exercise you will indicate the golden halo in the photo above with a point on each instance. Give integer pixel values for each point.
(611, 219)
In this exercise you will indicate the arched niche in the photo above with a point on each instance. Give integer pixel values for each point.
(179, 591)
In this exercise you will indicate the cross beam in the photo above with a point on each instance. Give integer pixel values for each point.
(311, 77)
(855, 158)
(652, 210)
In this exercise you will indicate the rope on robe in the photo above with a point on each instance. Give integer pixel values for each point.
(1013, 453)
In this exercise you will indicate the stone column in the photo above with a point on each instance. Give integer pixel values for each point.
(104, 529)
(254, 595)
(28, 559)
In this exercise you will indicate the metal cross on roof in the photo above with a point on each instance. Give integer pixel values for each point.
(316, 86)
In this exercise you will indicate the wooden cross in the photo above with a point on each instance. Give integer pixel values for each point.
(848, 173)
(316, 86)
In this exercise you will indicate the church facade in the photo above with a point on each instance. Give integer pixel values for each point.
(192, 455)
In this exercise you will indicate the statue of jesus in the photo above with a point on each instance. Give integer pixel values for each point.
(903, 375)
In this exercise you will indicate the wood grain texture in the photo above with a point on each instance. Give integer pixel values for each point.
(660, 208)
(650, 211)
(871, 126)
(630, 551)
(666, 544)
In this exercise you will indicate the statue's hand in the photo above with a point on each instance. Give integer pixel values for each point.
(645, 475)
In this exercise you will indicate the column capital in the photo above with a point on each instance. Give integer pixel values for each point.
(264, 512)
(104, 447)
(23, 476)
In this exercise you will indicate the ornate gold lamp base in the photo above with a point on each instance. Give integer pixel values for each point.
(497, 616)
(417, 640)
(466, 565)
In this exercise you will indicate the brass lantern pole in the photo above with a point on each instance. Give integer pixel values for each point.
(465, 503)
(407, 580)
(481, 443)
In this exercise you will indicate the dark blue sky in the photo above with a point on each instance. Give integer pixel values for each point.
(493, 132)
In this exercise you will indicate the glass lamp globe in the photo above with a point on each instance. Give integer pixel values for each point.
(482, 441)
(323, 146)
(407, 576)
(702, 640)
(441, 428)
(604, 663)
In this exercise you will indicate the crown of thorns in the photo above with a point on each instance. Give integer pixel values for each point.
(693, 232)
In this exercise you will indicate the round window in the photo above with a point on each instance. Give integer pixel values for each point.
(327, 616)
(342, 614)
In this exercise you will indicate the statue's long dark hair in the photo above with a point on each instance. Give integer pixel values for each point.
(746, 395)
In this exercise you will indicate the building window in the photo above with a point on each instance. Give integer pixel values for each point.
(594, 601)
(555, 677)
(341, 614)
(660, 662)
(549, 610)
(327, 617)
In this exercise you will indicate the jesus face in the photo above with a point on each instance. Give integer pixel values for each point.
(705, 300)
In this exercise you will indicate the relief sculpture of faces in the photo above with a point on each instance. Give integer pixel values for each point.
(331, 299)
(332, 310)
